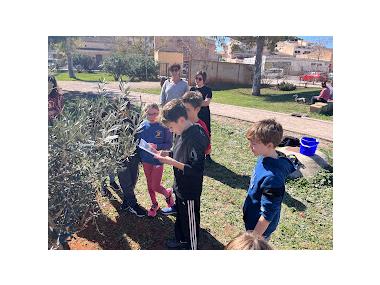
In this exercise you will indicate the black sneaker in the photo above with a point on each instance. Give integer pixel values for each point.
(137, 210)
(115, 186)
(208, 158)
(174, 244)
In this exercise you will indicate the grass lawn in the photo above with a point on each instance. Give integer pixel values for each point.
(306, 220)
(271, 100)
(85, 76)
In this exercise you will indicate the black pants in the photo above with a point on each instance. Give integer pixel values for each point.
(128, 176)
(205, 116)
(316, 99)
(187, 223)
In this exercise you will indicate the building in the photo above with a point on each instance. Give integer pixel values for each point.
(100, 47)
(167, 51)
(236, 52)
(296, 65)
(96, 47)
(304, 49)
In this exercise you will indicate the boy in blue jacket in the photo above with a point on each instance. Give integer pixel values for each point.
(262, 206)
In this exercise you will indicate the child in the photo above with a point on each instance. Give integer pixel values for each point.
(262, 207)
(187, 158)
(192, 101)
(248, 240)
(159, 138)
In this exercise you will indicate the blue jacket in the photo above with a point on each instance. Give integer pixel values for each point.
(266, 192)
(157, 134)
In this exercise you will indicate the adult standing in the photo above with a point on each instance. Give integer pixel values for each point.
(174, 87)
(204, 114)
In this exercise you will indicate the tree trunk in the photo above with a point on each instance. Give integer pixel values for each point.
(257, 69)
(69, 58)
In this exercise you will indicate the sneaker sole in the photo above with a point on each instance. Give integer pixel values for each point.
(134, 212)
(168, 214)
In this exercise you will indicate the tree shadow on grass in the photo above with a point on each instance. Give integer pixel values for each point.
(226, 176)
(148, 233)
(293, 203)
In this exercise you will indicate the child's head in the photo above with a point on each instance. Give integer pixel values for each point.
(248, 240)
(174, 116)
(151, 112)
(193, 102)
(264, 136)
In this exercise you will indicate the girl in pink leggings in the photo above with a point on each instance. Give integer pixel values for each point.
(160, 138)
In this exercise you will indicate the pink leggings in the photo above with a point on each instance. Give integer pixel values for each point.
(153, 174)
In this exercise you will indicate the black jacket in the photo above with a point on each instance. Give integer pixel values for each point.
(189, 148)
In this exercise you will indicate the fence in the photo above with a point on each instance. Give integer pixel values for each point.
(222, 72)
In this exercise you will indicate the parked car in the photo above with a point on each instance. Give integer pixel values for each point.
(274, 73)
(314, 76)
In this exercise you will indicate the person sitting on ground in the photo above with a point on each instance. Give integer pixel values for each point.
(262, 206)
(192, 100)
(248, 240)
(174, 87)
(324, 96)
(55, 98)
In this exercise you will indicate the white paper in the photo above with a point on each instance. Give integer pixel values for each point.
(145, 146)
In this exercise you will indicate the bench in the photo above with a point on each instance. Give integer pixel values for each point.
(322, 108)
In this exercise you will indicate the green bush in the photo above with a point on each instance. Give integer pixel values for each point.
(86, 143)
(83, 62)
(286, 86)
(135, 66)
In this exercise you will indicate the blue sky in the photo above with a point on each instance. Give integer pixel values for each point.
(327, 40)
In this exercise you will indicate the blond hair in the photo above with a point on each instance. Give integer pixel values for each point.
(151, 106)
(248, 240)
(266, 131)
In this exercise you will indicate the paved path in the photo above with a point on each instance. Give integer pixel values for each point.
(305, 126)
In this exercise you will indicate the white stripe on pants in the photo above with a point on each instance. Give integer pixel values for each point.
(192, 224)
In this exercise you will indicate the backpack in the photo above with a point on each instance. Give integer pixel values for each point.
(289, 141)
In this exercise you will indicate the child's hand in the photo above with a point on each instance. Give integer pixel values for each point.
(164, 159)
(163, 153)
(153, 145)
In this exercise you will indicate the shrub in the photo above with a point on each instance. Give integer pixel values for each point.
(141, 67)
(286, 86)
(135, 66)
(116, 65)
(83, 62)
(86, 143)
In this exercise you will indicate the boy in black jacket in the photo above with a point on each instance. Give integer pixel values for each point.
(187, 158)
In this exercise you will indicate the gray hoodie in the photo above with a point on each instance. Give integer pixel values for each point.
(171, 90)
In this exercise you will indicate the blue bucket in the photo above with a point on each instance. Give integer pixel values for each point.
(308, 146)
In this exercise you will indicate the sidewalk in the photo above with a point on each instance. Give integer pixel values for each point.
(304, 126)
